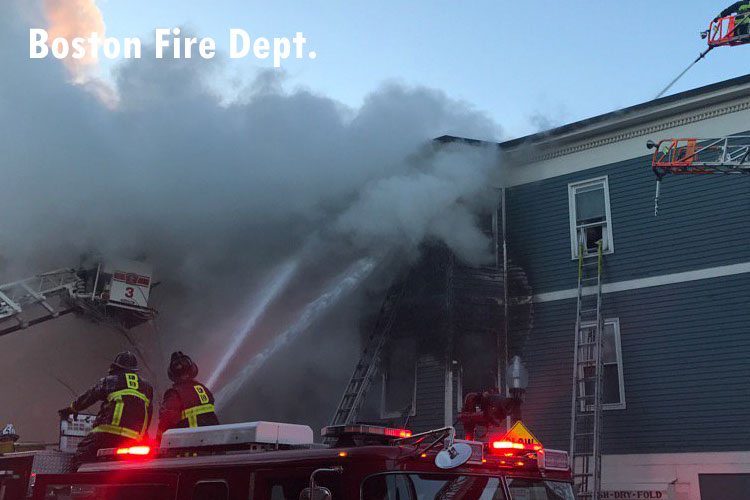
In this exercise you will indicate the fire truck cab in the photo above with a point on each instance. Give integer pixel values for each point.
(277, 461)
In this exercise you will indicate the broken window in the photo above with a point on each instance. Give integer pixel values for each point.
(590, 218)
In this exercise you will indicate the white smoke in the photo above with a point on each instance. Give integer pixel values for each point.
(215, 195)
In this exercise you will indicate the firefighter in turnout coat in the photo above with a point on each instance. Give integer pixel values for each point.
(125, 412)
(188, 403)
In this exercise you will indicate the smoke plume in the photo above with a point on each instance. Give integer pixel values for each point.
(216, 197)
(75, 18)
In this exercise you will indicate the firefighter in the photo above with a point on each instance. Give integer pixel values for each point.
(126, 409)
(742, 18)
(187, 403)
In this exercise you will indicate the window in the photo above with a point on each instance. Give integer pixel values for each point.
(590, 217)
(210, 490)
(108, 492)
(293, 483)
(432, 487)
(529, 489)
(399, 378)
(613, 391)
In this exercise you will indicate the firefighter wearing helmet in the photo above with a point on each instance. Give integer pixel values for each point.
(125, 412)
(742, 16)
(188, 403)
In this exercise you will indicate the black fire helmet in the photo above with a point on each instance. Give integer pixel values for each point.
(181, 367)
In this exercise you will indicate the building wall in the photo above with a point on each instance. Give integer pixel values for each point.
(678, 475)
(678, 284)
(703, 222)
(686, 363)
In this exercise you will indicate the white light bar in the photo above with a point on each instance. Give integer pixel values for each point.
(553, 460)
(364, 430)
(236, 434)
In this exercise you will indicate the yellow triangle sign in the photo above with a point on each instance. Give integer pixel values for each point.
(520, 434)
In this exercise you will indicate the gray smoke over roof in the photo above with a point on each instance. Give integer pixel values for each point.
(216, 195)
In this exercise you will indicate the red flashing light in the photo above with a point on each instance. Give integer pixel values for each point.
(504, 445)
(371, 430)
(134, 450)
(399, 433)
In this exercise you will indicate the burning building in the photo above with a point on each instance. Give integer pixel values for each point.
(674, 398)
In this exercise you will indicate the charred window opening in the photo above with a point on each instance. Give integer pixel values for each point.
(590, 217)
(399, 378)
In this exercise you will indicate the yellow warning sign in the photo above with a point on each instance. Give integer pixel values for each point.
(520, 434)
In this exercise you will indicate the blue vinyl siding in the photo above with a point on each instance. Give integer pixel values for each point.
(704, 221)
(686, 361)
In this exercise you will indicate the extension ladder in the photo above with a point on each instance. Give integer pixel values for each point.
(366, 368)
(586, 411)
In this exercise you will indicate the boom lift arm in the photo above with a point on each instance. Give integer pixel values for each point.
(722, 32)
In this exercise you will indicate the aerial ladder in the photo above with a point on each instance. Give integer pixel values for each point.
(695, 156)
(115, 292)
(588, 372)
(367, 367)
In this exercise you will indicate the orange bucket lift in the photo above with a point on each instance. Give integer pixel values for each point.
(726, 31)
(693, 156)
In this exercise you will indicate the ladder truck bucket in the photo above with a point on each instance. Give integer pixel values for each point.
(123, 288)
(694, 156)
(116, 292)
(728, 31)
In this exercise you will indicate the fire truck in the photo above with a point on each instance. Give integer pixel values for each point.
(281, 461)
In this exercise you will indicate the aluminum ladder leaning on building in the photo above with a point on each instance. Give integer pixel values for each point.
(366, 368)
(586, 408)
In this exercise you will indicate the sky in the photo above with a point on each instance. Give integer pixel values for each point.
(527, 67)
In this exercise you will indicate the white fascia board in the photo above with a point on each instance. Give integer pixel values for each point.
(718, 120)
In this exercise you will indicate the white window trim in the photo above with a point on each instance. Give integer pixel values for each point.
(572, 214)
(395, 414)
(620, 372)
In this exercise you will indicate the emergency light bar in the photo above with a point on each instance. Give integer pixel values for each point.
(132, 451)
(553, 460)
(246, 433)
(511, 445)
(364, 430)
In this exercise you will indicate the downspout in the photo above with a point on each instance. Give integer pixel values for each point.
(506, 306)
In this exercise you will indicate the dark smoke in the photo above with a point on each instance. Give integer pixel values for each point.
(215, 196)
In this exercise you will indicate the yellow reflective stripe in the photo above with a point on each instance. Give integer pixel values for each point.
(119, 405)
(127, 392)
(191, 414)
(119, 431)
